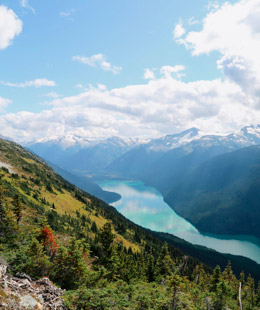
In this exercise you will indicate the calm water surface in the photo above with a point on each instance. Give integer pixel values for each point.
(144, 206)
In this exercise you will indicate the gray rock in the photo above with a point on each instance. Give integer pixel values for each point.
(28, 302)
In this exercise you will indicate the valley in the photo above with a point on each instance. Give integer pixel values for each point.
(144, 206)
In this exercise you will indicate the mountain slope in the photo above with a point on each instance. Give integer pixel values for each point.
(86, 184)
(45, 193)
(221, 195)
(48, 227)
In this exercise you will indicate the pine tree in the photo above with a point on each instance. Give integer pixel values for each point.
(175, 282)
(215, 279)
(7, 225)
(106, 238)
(17, 208)
(150, 271)
(250, 289)
(228, 273)
(70, 264)
(257, 297)
(164, 266)
(32, 260)
(222, 292)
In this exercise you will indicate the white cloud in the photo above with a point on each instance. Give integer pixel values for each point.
(53, 95)
(98, 60)
(233, 30)
(149, 74)
(10, 26)
(165, 71)
(178, 31)
(164, 104)
(193, 21)
(25, 4)
(35, 83)
(169, 70)
(4, 103)
(160, 106)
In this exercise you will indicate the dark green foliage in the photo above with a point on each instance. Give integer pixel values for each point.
(94, 227)
(164, 266)
(17, 206)
(221, 196)
(69, 265)
(215, 279)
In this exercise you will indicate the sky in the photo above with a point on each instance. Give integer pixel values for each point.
(129, 68)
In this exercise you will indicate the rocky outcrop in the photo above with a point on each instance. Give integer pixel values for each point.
(21, 292)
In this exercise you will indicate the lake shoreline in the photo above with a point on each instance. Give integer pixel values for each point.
(145, 206)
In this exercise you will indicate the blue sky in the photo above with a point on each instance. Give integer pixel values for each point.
(89, 57)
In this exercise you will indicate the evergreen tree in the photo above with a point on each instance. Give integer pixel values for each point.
(106, 238)
(17, 208)
(70, 264)
(257, 297)
(228, 273)
(222, 292)
(150, 270)
(164, 265)
(175, 282)
(7, 226)
(250, 292)
(32, 259)
(215, 279)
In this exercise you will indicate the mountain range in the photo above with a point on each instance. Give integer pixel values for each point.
(202, 177)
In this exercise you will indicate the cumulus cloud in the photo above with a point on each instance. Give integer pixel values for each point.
(169, 70)
(165, 104)
(165, 71)
(35, 83)
(233, 30)
(160, 106)
(149, 74)
(98, 60)
(10, 26)
(178, 31)
(4, 103)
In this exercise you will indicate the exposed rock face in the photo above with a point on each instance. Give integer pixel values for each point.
(21, 292)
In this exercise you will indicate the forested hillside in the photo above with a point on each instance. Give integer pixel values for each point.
(222, 194)
(48, 227)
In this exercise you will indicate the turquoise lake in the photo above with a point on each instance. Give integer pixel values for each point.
(144, 206)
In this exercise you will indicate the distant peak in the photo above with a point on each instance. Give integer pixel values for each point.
(193, 131)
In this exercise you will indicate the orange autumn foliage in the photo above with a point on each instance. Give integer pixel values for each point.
(49, 239)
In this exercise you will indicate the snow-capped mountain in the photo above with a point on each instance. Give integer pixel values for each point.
(76, 153)
(246, 136)
(5, 138)
(167, 158)
(170, 142)
(65, 142)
